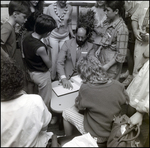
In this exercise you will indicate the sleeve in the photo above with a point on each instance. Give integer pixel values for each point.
(136, 14)
(61, 60)
(79, 100)
(5, 33)
(122, 43)
(43, 114)
(47, 10)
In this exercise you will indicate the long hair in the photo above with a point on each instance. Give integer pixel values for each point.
(89, 69)
(38, 8)
(12, 79)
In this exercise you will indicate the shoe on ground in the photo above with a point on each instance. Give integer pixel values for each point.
(128, 80)
(124, 75)
(54, 120)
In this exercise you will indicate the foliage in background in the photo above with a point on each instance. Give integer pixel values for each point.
(87, 19)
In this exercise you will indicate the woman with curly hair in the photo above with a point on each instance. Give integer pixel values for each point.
(99, 99)
(24, 117)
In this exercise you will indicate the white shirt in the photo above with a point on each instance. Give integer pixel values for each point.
(24, 122)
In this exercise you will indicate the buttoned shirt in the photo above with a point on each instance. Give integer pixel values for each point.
(116, 37)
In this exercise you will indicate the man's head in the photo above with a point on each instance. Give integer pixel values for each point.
(44, 25)
(82, 35)
(19, 10)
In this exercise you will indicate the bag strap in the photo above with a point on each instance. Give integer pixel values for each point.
(138, 132)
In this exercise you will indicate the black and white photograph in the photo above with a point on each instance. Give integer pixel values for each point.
(74, 73)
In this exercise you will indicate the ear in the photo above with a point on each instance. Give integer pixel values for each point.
(117, 11)
(15, 13)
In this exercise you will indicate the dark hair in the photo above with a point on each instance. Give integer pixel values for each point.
(19, 6)
(12, 79)
(89, 69)
(120, 5)
(44, 24)
(38, 8)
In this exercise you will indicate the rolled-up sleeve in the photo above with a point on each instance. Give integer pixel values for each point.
(122, 43)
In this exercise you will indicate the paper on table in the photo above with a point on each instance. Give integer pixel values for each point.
(77, 79)
(60, 90)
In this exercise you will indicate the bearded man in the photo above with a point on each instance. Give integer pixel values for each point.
(71, 52)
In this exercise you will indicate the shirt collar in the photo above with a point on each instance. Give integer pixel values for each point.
(115, 23)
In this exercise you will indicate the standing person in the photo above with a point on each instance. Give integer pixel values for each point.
(130, 7)
(100, 17)
(138, 91)
(36, 8)
(140, 25)
(113, 49)
(95, 99)
(71, 52)
(24, 117)
(37, 56)
(62, 13)
(18, 13)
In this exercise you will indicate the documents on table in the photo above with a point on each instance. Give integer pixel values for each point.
(76, 82)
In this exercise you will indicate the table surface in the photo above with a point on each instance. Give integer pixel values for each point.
(58, 104)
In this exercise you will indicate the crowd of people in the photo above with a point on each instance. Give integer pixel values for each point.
(51, 50)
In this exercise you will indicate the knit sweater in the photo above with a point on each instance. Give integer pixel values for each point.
(102, 102)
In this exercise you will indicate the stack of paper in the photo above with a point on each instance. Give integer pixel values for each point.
(76, 82)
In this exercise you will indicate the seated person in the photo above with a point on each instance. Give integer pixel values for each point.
(71, 51)
(100, 98)
(24, 117)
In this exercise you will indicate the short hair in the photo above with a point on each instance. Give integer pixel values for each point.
(120, 5)
(44, 24)
(89, 69)
(12, 79)
(20, 6)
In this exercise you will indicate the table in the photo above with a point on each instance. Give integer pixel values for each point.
(58, 104)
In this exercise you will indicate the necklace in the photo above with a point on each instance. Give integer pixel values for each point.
(61, 18)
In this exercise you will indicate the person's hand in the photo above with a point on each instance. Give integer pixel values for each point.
(66, 83)
(137, 35)
(136, 119)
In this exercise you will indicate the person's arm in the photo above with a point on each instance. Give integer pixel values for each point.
(78, 99)
(61, 66)
(4, 54)
(136, 119)
(70, 24)
(43, 54)
(5, 33)
(136, 30)
(54, 141)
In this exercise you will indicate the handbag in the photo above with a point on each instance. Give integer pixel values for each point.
(128, 138)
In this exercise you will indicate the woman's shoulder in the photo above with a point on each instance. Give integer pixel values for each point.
(70, 8)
